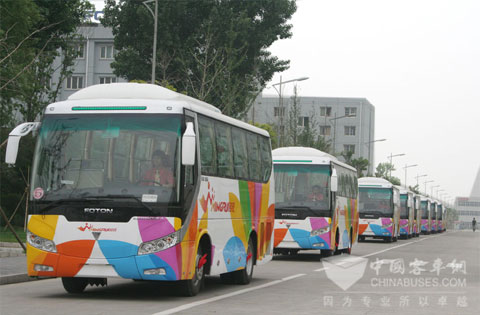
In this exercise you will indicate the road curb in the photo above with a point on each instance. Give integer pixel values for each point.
(17, 278)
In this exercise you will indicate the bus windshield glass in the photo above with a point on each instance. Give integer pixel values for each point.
(432, 210)
(126, 155)
(424, 208)
(376, 200)
(440, 212)
(403, 207)
(302, 187)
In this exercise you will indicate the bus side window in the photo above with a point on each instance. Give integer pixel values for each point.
(254, 163)
(224, 150)
(240, 153)
(208, 154)
(266, 158)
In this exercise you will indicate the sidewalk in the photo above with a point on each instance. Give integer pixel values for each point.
(13, 264)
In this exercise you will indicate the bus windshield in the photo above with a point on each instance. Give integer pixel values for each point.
(424, 210)
(440, 212)
(403, 207)
(125, 155)
(302, 187)
(432, 210)
(376, 200)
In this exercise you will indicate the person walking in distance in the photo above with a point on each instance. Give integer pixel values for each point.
(474, 224)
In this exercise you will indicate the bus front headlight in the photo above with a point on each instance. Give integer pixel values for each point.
(320, 231)
(41, 243)
(158, 244)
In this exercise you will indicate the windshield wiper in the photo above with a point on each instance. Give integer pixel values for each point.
(123, 197)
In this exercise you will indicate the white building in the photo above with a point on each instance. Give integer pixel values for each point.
(469, 207)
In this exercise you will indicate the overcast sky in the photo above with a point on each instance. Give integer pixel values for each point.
(417, 62)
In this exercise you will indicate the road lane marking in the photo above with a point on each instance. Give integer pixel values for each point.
(224, 296)
(405, 244)
(384, 250)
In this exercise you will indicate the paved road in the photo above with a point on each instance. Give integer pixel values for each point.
(437, 274)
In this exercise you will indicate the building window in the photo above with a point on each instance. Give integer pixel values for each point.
(75, 82)
(325, 130)
(349, 148)
(106, 52)
(80, 50)
(278, 111)
(107, 80)
(303, 121)
(351, 111)
(349, 130)
(325, 111)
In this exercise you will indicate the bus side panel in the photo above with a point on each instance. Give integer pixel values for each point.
(229, 211)
(347, 215)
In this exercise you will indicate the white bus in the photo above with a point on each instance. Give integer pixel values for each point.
(139, 182)
(379, 209)
(316, 202)
(407, 213)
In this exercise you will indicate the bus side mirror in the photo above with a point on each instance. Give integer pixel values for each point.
(14, 140)
(334, 181)
(188, 145)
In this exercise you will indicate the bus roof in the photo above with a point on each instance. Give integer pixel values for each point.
(374, 182)
(305, 155)
(139, 98)
(404, 191)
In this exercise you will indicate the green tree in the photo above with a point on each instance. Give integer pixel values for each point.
(271, 131)
(415, 189)
(216, 51)
(361, 164)
(32, 34)
(384, 169)
(451, 217)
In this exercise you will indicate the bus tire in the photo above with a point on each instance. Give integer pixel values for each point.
(388, 239)
(74, 285)
(337, 240)
(244, 276)
(361, 238)
(191, 287)
(348, 250)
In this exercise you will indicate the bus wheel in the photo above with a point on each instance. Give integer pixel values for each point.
(191, 287)
(361, 238)
(388, 239)
(74, 285)
(337, 239)
(244, 276)
(349, 249)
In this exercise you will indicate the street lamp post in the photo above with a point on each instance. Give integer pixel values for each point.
(334, 119)
(391, 158)
(407, 166)
(439, 190)
(369, 145)
(155, 27)
(418, 176)
(281, 111)
(428, 181)
(431, 190)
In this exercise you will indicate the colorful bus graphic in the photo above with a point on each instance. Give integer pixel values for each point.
(379, 209)
(407, 213)
(316, 205)
(426, 221)
(417, 215)
(433, 211)
(139, 182)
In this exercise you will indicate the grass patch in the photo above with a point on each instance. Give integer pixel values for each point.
(7, 235)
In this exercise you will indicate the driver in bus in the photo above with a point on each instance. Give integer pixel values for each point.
(158, 175)
(316, 194)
